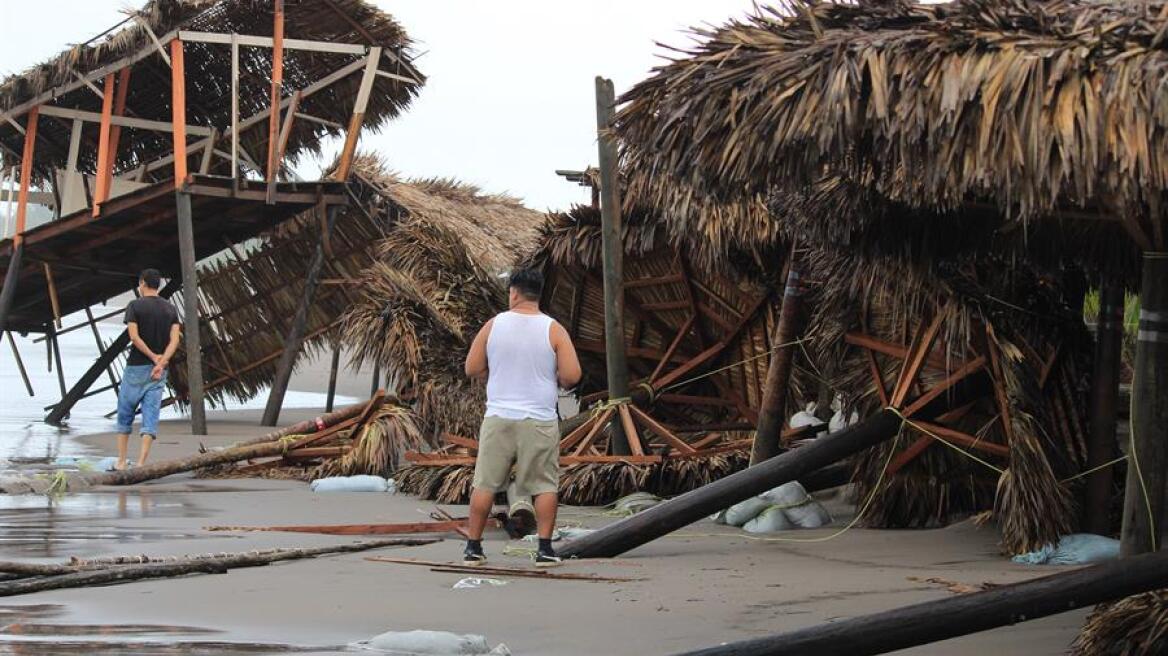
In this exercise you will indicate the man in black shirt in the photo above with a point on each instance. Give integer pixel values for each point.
(154, 329)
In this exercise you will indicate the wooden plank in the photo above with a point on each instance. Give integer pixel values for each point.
(26, 160)
(115, 131)
(877, 376)
(74, 145)
(637, 283)
(896, 351)
(458, 440)
(677, 339)
(691, 399)
(661, 431)
(318, 452)
(272, 171)
(439, 461)
(664, 305)
(602, 459)
(178, 99)
(940, 388)
(597, 425)
(234, 106)
(630, 429)
(121, 121)
(53, 299)
(916, 360)
(964, 439)
(253, 41)
(353, 529)
(103, 154)
(346, 158)
(583, 430)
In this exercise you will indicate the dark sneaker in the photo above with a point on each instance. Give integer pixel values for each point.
(473, 557)
(547, 558)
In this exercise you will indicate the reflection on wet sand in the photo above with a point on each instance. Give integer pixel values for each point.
(47, 527)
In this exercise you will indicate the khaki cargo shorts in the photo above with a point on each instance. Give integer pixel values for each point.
(531, 445)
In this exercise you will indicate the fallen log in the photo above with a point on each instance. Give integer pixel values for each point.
(281, 446)
(681, 511)
(196, 565)
(929, 622)
(314, 425)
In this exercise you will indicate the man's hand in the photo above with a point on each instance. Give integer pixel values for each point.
(158, 370)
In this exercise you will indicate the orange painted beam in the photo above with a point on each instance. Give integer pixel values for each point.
(178, 98)
(115, 133)
(277, 87)
(26, 156)
(104, 161)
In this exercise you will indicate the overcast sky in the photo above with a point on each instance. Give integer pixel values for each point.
(510, 91)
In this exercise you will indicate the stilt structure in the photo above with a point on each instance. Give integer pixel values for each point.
(164, 193)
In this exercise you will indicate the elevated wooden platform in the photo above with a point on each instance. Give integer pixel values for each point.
(92, 259)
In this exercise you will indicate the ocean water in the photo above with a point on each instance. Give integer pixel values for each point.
(23, 433)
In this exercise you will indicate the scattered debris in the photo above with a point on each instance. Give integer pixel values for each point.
(475, 582)
(432, 643)
(438, 566)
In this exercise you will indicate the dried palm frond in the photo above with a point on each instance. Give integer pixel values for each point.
(679, 475)
(598, 484)
(450, 484)
(378, 448)
(1135, 626)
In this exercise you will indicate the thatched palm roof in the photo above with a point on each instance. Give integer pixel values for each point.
(208, 76)
(428, 232)
(1031, 107)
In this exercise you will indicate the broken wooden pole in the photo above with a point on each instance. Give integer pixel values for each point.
(55, 347)
(12, 276)
(1147, 472)
(196, 565)
(332, 384)
(295, 337)
(772, 411)
(692, 506)
(102, 363)
(312, 425)
(20, 364)
(1104, 398)
(612, 238)
(933, 621)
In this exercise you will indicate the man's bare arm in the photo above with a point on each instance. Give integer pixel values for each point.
(567, 362)
(476, 358)
(139, 343)
(172, 345)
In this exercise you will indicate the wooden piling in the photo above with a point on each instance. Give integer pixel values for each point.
(772, 413)
(332, 384)
(1104, 398)
(1147, 472)
(191, 338)
(295, 336)
(613, 244)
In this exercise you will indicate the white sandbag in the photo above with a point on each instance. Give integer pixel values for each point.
(838, 421)
(806, 417)
(428, 643)
(771, 520)
(787, 495)
(719, 517)
(808, 515)
(743, 512)
(363, 483)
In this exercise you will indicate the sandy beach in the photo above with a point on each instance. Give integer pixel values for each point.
(704, 585)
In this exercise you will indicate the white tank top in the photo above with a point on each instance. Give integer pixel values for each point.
(521, 383)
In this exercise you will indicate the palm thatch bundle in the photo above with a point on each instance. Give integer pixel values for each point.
(208, 77)
(378, 448)
(1135, 626)
(1032, 108)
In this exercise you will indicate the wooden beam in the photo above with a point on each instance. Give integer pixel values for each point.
(272, 171)
(115, 132)
(964, 439)
(26, 161)
(653, 282)
(917, 355)
(661, 431)
(322, 83)
(74, 145)
(358, 118)
(630, 430)
(121, 121)
(178, 99)
(282, 144)
(234, 106)
(895, 350)
(153, 37)
(677, 339)
(966, 370)
(53, 300)
(271, 42)
(103, 156)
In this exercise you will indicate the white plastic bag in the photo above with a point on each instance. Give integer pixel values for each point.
(362, 483)
(475, 582)
(428, 643)
(771, 520)
(743, 512)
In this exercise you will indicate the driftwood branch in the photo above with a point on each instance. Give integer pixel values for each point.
(114, 574)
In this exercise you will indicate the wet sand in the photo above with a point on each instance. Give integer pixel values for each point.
(705, 585)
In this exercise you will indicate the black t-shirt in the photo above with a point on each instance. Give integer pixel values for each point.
(154, 316)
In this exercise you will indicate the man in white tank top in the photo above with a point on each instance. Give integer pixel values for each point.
(525, 357)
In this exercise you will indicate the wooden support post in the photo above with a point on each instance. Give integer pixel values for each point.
(933, 621)
(772, 410)
(178, 101)
(55, 347)
(20, 365)
(273, 169)
(1104, 399)
(54, 301)
(115, 133)
(295, 336)
(345, 165)
(664, 518)
(191, 342)
(332, 384)
(613, 243)
(12, 277)
(1147, 473)
(100, 346)
(103, 146)
(234, 106)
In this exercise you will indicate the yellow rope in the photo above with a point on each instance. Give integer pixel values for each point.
(1094, 469)
(734, 364)
(1135, 458)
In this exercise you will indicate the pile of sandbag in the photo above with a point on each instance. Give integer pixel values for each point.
(785, 507)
